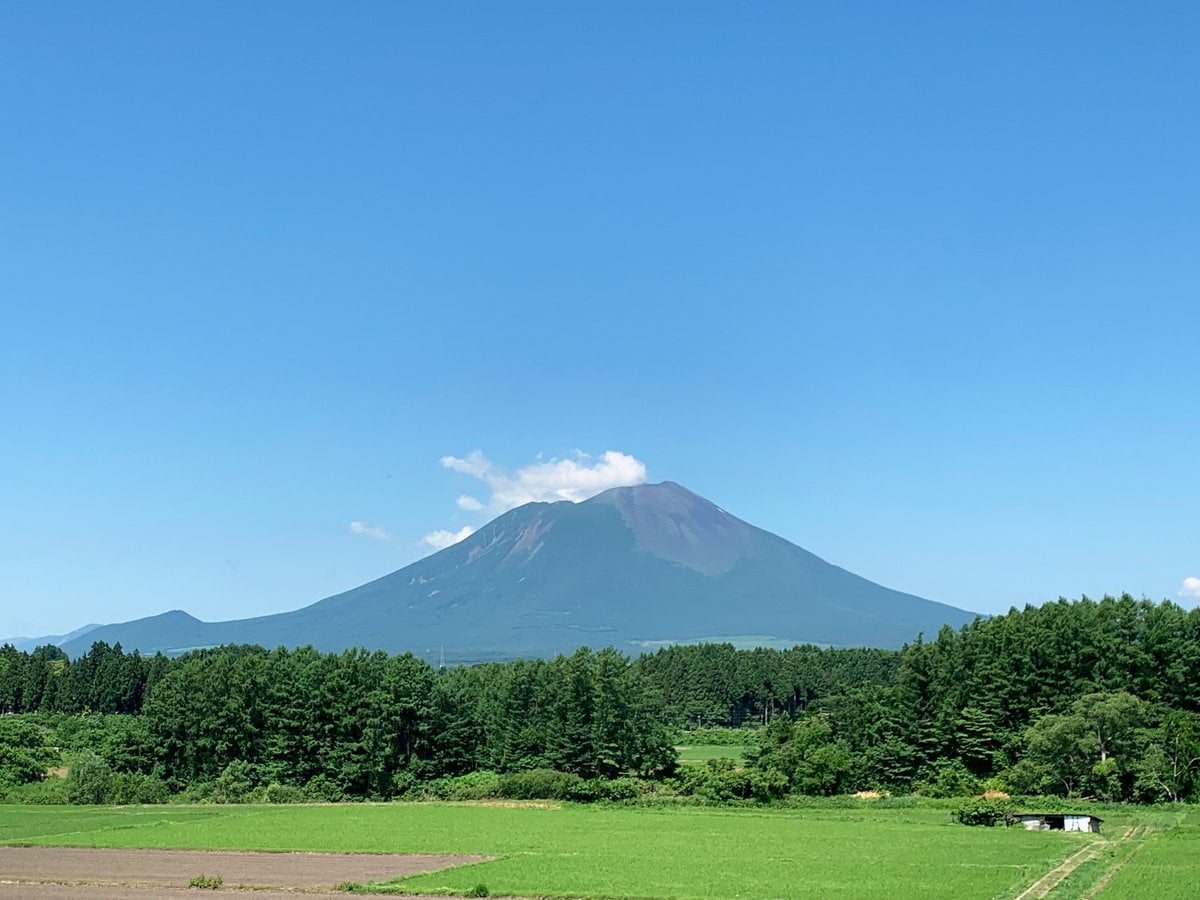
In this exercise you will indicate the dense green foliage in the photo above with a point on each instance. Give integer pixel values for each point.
(1095, 699)
(241, 723)
(714, 684)
(370, 724)
(1070, 698)
(1087, 698)
(103, 680)
(24, 752)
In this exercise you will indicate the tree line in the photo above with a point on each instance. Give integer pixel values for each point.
(354, 724)
(103, 680)
(1085, 698)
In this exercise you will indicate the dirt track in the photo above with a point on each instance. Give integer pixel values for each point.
(54, 872)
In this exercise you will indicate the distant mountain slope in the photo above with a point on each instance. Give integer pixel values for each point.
(631, 567)
(29, 644)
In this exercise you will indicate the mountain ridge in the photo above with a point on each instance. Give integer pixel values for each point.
(29, 644)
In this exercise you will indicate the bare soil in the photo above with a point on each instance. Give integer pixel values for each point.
(53, 872)
(12, 890)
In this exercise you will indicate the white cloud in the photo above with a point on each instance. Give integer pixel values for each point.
(575, 479)
(440, 540)
(555, 479)
(371, 531)
(1190, 587)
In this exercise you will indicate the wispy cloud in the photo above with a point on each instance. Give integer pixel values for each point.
(576, 478)
(371, 531)
(440, 540)
(1190, 587)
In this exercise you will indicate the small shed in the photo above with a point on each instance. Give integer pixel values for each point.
(1059, 822)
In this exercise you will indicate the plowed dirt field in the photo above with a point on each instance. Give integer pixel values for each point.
(52, 872)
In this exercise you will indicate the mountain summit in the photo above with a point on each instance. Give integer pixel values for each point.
(635, 567)
(672, 523)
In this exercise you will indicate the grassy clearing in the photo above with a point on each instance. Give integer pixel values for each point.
(576, 851)
(698, 754)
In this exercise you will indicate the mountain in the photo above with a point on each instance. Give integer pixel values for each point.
(29, 644)
(635, 567)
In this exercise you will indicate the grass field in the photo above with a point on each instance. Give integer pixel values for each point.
(698, 754)
(1166, 865)
(576, 851)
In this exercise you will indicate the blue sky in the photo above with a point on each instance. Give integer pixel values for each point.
(914, 286)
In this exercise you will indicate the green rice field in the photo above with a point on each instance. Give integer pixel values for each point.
(698, 754)
(864, 850)
(1165, 865)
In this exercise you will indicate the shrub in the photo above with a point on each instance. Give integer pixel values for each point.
(199, 792)
(472, 786)
(233, 784)
(948, 778)
(122, 741)
(323, 790)
(768, 784)
(608, 789)
(401, 783)
(724, 781)
(720, 780)
(206, 882)
(24, 756)
(131, 788)
(284, 793)
(480, 890)
(538, 784)
(982, 811)
(256, 795)
(51, 792)
(1028, 777)
(90, 780)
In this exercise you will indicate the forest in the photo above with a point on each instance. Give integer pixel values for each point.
(1084, 698)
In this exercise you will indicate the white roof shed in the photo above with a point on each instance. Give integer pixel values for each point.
(1059, 822)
